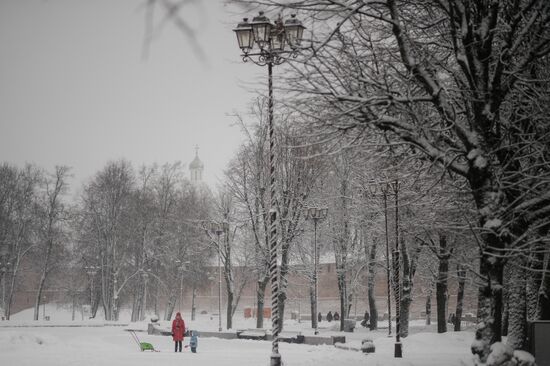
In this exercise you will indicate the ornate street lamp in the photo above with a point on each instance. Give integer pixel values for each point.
(315, 214)
(271, 40)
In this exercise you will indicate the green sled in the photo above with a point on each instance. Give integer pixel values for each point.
(146, 346)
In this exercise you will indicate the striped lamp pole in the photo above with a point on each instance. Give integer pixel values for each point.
(270, 40)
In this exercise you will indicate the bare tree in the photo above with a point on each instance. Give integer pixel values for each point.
(51, 234)
(18, 191)
(105, 205)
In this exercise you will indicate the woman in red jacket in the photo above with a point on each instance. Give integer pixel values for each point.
(178, 331)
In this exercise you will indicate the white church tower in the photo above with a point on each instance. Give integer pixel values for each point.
(196, 167)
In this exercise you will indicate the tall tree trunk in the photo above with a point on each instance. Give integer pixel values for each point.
(429, 307)
(517, 322)
(461, 275)
(442, 285)
(229, 311)
(281, 299)
(373, 325)
(312, 306)
(489, 305)
(490, 202)
(97, 298)
(170, 305)
(409, 268)
(134, 317)
(193, 302)
(543, 303)
(371, 280)
(343, 298)
(506, 300)
(143, 302)
(137, 303)
(39, 293)
(283, 283)
(260, 300)
(534, 283)
(11, 289)
(73, 305)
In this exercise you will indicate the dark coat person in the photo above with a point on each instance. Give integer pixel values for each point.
(336, 316)
(329, 316)
(366, 318)
(319, 317)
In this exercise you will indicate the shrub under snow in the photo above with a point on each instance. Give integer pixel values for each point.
(503, 355)
(367, 346)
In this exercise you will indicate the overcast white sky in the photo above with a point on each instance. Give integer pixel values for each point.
(75, 90)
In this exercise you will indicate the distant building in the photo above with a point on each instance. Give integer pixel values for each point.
(196, 167)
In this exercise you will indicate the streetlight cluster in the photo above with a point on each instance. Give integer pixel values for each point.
(271, 39)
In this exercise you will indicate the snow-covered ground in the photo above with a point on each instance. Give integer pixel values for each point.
(102, 345)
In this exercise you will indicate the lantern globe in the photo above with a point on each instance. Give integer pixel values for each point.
(261, 27)
(245, 35)
(294, 30)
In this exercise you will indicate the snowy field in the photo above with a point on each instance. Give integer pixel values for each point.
(90, 344)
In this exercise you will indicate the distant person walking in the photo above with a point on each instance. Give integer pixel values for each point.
(178, 331)
(336, 316)
(329, 316)
(366, 318)
(319, 317)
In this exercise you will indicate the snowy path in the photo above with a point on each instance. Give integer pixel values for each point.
(114, 346)
(95, 345)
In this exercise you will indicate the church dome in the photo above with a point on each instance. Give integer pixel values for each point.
(196, 163)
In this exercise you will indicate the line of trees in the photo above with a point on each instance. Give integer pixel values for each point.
(126, 237)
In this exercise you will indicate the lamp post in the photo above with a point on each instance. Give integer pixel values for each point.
(384, 189)
(215, 228)
(315, 214)
(271, 40)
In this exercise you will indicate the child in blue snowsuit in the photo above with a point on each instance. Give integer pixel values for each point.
(194, 342)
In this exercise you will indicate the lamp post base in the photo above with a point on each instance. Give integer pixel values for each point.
(398, 352)
(275, 359)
